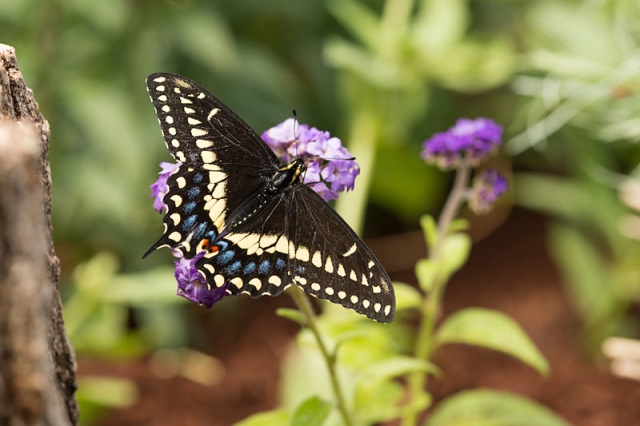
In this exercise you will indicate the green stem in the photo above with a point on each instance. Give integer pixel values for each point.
(302, 301)
(362, 144)
(425, 344)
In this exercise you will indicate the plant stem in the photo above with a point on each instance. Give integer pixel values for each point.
(425, 344)
(302, 301)
(362, 144)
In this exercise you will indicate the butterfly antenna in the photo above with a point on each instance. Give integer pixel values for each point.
(295, 129)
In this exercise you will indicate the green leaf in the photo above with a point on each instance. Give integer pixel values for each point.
(292, 314)
(458, 225)
(494, 330)
(492, 408)
(312, 412)
(267, 418)
(381, 74)
(358, 19)
(407, 297)
(430, 230)
(376, 374)
(427, 274)
(439, 24)
(454, 253)
(473, 66)
(561, 197)
(377, 395)
(107, 392)
(386, 403)
(587, 278)
(142, 290)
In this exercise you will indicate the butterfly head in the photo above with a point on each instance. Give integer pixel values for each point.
(289, 174)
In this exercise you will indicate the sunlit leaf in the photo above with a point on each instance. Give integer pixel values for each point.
(407, 297)
(267, 418)
(362, 22)
(454, 252)
(292, 314)
(107, 391)
(488, 407)
(312, 412)
(427, 274)
(429, 229)
(494, 330)
(379, 372)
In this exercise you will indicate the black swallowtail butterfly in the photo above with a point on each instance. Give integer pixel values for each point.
(260, 227)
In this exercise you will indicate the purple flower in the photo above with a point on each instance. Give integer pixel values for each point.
(159, 188)
(487, 187)
(330, 167)
(281, 136)
(468, 142)
(192, 285)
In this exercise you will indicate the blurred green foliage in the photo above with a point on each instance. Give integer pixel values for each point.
(382, 75)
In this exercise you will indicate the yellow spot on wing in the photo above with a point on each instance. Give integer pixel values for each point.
(317, 259)
(208, 156)
(203, 143)
(212, 113)
(198, 132)
(351, 250)
(328, 266)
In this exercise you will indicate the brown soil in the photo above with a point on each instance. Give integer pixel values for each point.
(509, 271)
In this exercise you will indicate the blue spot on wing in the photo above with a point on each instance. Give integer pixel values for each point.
(189, 223)
(197, 235)
(234, 267)
(265, 267)
(280, 264)
(188, 208)
(225, 257)
(250, 268)
(301, 269)
(193, 192)
(197, 178)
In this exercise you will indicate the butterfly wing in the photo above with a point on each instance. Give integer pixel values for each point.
(223, 161)
(297, 238)
(300, 239)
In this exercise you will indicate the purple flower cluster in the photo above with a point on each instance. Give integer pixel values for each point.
(159, 188)
(468, 142)
(487, 187)
(192, 285)
(330, 167)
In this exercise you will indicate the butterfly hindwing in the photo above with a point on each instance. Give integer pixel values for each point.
(299, 239)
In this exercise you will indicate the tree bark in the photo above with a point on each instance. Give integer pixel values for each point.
(37, 363)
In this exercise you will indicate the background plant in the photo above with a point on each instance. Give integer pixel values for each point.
(560, 74)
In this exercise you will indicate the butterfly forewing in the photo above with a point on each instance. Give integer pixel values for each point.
(199, 129)
(293, 238)
(220, 167)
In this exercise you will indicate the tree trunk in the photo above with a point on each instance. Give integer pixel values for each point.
(37, 363)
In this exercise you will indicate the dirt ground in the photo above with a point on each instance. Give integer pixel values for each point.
(509, 271)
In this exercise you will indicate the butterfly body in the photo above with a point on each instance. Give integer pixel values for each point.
(257, 227)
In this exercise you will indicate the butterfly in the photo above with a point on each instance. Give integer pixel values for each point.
(257, 226)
